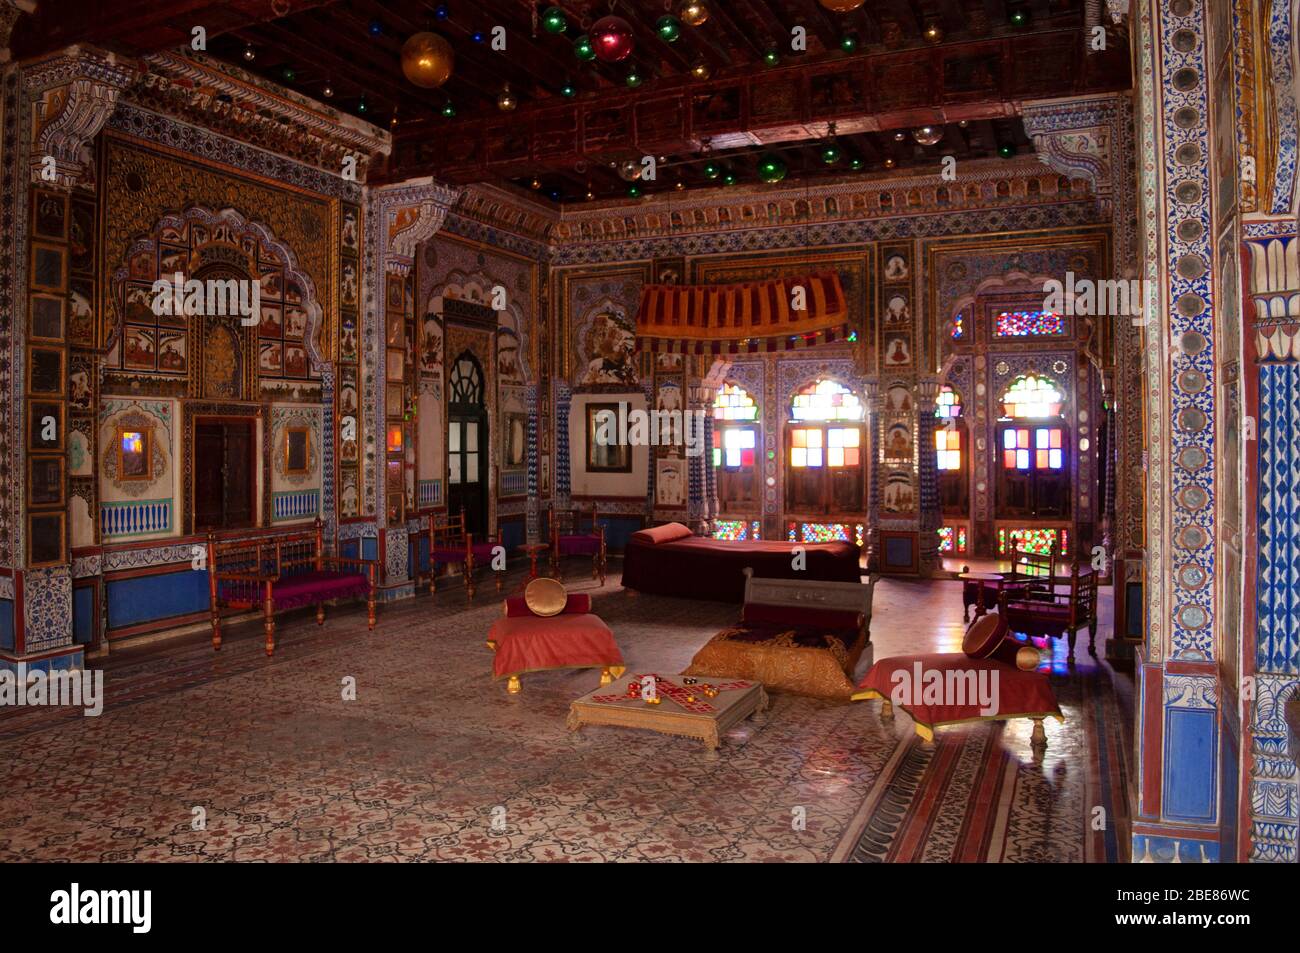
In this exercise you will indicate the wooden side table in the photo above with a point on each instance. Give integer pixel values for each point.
(534, 550)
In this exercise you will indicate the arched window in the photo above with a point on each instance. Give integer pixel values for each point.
(950, 448)
(1032, 436)
(736, 446)
(825, 450)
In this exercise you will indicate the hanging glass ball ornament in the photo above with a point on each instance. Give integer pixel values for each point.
(553, 20)
(427, 60)
(611, 37)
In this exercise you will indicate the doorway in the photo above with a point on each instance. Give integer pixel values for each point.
(225, 473)
(467, 444)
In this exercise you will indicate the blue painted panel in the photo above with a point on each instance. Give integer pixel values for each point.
(514, 534)
(618, 530)
(348, 548)
(7, 640)
(899, 552)
(83, 614)
(149, 598)
(369, 547)
(1190, 764)
(417, 556)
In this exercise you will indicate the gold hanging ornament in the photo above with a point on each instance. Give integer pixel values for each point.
(427, 60)
(694, 13)
(842, 6)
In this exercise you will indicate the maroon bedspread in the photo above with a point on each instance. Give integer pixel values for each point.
(697, 567)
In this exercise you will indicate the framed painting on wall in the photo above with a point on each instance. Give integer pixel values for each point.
(47, 317)
(46, 539)
(297, 450)
(49, 268)
(45, 480)
(45, 371)
(45, 425)
(134, 453)
(603, 454)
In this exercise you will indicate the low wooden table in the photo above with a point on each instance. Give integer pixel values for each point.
(707, 719)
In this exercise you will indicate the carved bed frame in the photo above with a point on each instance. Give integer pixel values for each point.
(815, 593)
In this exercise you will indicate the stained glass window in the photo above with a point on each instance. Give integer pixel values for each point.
(734, 403)
(826, 400)
(948, 445)
(737, 529)
(738, 448)
(959, 327)
(1032, 396)
(952, 539)
(1033, 540)
(1033, 448)
(830, 447)
(825, 533)
(1029, 324)
(948, 405)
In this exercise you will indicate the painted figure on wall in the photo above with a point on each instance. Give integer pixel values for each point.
(609, 346)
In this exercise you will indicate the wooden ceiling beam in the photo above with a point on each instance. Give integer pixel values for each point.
(140, 26)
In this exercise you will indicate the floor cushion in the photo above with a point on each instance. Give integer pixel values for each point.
(808, 659)
(529, 643)
(906, 680)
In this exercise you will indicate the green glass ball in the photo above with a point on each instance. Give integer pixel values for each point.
(712, 170)
(771, 57)
(449, 110)
(856, 164)
(583, 49)
(771, 169)
(553, 20)
(831, 154)
(288, 74)
(849, 43)
(633, 79)
(1018, 17)
(568, 91)
(729, 179)
(669, 28)
(1006, 151)
(634, 191)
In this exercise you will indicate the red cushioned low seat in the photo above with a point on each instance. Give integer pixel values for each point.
(1019, 694)
(310, 588)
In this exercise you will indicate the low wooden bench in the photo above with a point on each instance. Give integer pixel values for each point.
(282, 571)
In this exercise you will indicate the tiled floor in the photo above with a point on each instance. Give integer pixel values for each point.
(433, 760)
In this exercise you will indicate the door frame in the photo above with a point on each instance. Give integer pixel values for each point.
(208, 410)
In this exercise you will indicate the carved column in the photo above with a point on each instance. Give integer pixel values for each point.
(873, 407)
(929, 510)
(398, 218)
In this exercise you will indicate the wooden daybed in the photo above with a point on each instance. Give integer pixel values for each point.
(803, 636)
(669, 560)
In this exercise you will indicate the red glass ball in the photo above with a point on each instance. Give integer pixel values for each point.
(611, 37)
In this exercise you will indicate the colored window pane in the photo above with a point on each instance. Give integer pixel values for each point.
(1030, 397)
(736, 529)
(948, 404)
(734, 403)
(825, 400)
(1026, 324)
(959, 327)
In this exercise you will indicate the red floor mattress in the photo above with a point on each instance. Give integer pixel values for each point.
(670, 561)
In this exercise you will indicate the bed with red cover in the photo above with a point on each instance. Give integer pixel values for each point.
(669, 560)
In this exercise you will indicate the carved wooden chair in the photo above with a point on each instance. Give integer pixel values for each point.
(1056, 614)
(451, 545)
(574, 533)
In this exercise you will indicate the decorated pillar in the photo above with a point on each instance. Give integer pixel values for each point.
(399, 217)
(873, 406)
(1270, 633)
(1179, 808)
(930, 513)
(53, 108)
(1093, 139)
